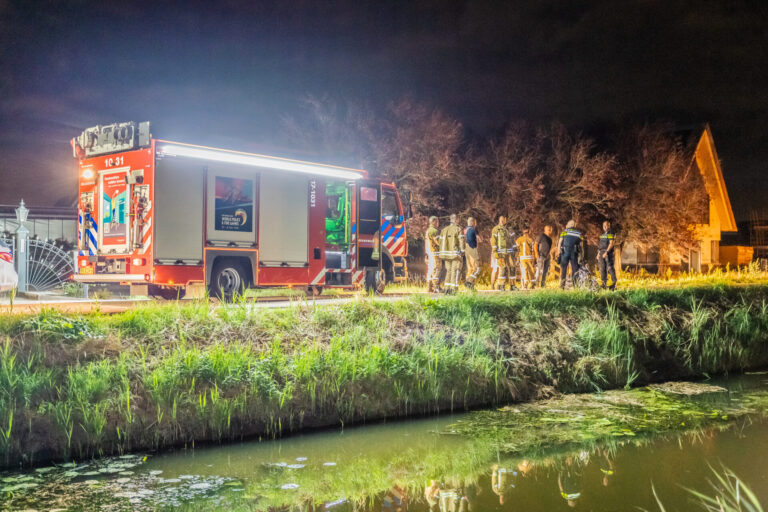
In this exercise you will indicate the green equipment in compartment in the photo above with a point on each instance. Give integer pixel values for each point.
(337, 225)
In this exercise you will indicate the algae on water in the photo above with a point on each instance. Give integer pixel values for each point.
(590, 418)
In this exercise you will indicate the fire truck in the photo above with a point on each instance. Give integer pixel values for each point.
(167, 217)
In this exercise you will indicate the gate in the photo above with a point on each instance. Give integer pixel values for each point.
(48, 266)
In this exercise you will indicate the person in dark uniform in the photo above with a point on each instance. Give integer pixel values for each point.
(605, 255)
(542, 250)
(570, 244)
(471, 254)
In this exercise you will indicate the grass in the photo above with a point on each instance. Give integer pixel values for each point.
(289, 292)
(730, 495)
(75, 386)
(634, 279)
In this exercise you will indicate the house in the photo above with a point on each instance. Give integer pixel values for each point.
(721, 219)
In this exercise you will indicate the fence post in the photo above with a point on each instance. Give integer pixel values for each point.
(22, 248)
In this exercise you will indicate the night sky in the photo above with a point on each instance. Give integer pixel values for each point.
(226, 75)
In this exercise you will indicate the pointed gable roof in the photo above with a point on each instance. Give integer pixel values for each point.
(705, 157)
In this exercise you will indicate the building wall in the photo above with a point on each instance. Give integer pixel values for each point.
(736, 255)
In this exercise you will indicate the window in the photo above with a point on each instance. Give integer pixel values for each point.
(389, 208)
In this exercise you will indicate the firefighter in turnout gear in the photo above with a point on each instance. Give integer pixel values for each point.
(525, 254)
(605, 255)
(570, 247)
(451, 250)
(500, 254)
(432, 248)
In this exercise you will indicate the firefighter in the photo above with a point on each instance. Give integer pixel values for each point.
(525, 253)
(569, 247)
(451, 249)
(605, 255)
(500, 247)
(472, 256)
(432, 248)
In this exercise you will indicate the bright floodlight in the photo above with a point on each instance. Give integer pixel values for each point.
(258, 161)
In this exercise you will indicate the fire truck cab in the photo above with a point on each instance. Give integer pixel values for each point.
(165, 216)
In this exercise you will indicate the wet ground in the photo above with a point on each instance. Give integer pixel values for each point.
(411, 466)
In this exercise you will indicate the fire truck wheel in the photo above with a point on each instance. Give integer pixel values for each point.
(227, 279)
(167, 292)
(314, 291)
(375, 281)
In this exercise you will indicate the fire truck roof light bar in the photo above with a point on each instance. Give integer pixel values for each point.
(258, 161)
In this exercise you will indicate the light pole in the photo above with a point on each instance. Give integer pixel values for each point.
(22, 247)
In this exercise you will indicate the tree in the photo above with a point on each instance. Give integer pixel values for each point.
(580, 180)
(419, 148)
(545, 176)
(508, 178)
(664, 197)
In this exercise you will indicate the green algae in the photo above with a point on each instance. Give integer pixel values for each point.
(585, 419)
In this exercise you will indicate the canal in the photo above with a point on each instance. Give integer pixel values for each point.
(437, 464)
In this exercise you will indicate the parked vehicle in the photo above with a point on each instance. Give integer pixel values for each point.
(8, 277)
(164, 216)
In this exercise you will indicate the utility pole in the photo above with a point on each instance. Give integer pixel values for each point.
(22, 248)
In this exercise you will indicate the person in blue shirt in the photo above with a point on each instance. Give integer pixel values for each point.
(471, 254)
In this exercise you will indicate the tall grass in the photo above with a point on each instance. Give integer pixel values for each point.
(730, 495)
(161, 375)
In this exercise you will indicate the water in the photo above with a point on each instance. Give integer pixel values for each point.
(407, 466)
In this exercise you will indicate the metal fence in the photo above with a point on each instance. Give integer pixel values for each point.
(48, 266)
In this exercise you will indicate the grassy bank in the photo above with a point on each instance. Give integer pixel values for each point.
(78, 386)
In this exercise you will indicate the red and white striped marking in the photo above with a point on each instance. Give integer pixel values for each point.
(357, 275)
(319, 277)
(146, 229)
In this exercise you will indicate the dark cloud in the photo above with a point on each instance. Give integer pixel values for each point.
(225, 73)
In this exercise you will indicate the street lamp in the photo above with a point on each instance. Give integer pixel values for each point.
(21, 213)
(22, 247)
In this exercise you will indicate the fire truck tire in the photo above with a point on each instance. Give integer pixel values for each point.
(314, 291)
(227, 279)
(375, 281)
(167, 292)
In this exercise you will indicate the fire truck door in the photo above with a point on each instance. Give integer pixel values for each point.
(368, 224)
(114, 205)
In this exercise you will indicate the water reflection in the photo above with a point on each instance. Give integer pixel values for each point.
(395, 500)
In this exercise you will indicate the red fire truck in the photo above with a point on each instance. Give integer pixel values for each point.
(167, 216)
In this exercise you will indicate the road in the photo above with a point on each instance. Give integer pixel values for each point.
(110, 306)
